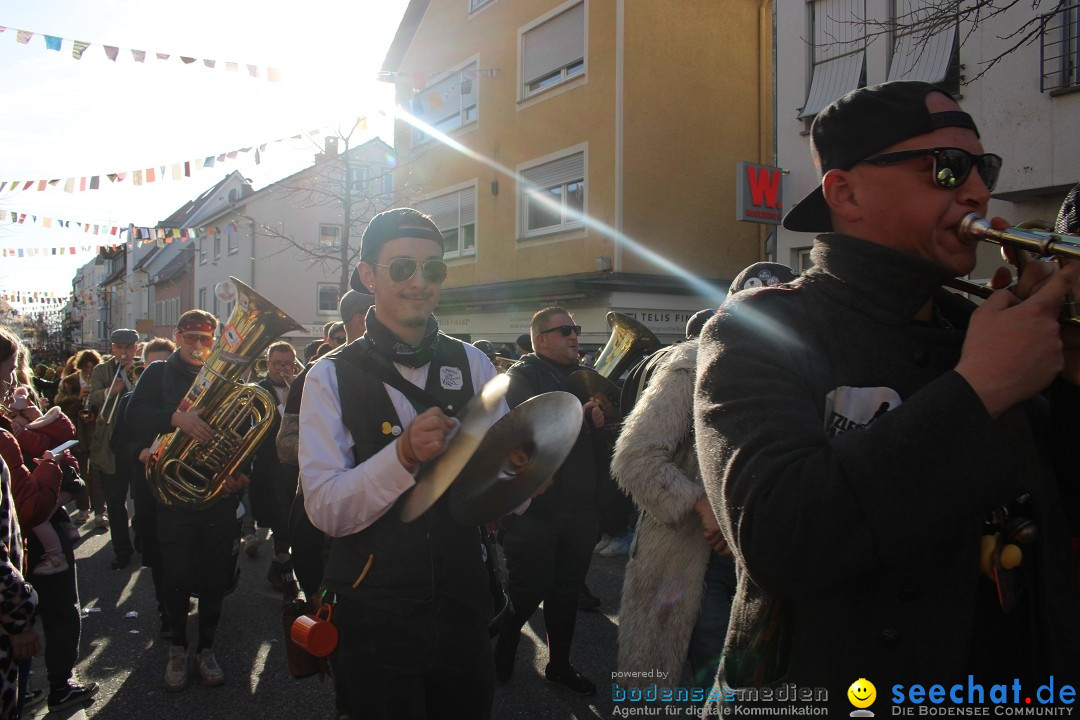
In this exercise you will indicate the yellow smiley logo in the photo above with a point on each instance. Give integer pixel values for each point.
(862, 693)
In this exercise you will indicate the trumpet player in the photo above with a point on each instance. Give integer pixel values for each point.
(878, 451)
(195, 544)
(109, 380)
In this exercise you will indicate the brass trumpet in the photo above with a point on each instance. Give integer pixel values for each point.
(1033, 239)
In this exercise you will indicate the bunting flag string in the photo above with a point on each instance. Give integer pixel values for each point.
(49, 251)
(157, 173)
(50, 223)
(112, 52)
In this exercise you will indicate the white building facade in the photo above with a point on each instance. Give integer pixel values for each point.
(1027, 106)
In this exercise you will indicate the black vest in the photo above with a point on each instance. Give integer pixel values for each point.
(433, 556)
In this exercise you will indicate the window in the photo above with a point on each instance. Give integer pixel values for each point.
(233, 239)
(449, 103)
(553, 51)
(919, 54)
(553, 196)
(388, 183)
(202, 298)
(159, 312)
(1061, 50)
(455, 214)
(329, 236)
(801, 259)
(328, 298)
(215, 310)
(202, 251)
(838, 52)
(217, 248)
(358, 178)
(475, 5)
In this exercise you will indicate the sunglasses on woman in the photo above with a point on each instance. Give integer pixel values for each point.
(951, 165)
(401, 269)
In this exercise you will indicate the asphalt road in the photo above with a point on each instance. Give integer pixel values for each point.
(121, 651)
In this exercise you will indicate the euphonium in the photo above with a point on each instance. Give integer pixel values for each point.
(184, 472)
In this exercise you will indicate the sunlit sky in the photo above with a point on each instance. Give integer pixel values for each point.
(61, 117)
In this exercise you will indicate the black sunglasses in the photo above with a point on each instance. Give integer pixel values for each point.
(401, 269)
(564, 329)
(951, 165)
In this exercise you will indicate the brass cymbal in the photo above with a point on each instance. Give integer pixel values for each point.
(545, 428)
(474, 420)
(587, 384)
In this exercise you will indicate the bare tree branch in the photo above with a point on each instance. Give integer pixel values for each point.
(967, 16)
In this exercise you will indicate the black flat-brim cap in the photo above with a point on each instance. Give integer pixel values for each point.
(860, 124)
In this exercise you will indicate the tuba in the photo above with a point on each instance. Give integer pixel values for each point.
(184, 472)
(629, 342)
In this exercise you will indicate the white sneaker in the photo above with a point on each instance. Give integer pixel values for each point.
(51, 564)
(620, 545)
(605, 540)
(176, 672)
(210, 672)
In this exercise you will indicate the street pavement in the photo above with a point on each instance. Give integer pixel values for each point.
(121, 651)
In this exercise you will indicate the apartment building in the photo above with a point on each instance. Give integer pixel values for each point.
(287, 240)
(1027, 106)
(583, 153)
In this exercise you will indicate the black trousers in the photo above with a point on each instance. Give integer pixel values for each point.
(144, 526)
(116, 492)
(58, 608)
(196, 558)
(547, 558)
(433, 663)
(308, 548)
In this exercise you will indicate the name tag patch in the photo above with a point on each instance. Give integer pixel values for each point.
(450, 378)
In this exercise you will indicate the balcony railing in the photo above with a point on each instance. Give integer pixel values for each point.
(1060, 50)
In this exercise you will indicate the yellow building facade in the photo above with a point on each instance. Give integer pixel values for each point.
(586, 154)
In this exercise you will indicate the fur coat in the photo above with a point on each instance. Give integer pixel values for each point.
(655, 461)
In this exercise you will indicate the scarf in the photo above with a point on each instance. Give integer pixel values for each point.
(393, 348)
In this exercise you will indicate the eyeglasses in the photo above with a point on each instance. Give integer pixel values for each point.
(192, 339)
(338, 338)
(951, 165)
(401, 269)
(564, 329)
(281, 365)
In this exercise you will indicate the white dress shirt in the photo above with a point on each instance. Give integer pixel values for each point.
(342, 498)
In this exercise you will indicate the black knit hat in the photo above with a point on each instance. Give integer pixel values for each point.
(761, 274)
(859, 125)
(395, 223)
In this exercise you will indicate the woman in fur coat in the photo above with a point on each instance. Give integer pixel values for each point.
(679, 551)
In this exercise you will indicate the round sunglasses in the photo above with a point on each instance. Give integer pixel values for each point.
(951, 165)
(401, 269)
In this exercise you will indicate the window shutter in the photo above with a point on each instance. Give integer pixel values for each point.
(571, 167)
(925, 59)
(443, 210)
(558, 42)
(832, 79)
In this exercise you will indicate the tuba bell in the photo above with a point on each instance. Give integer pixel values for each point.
(184, 472)
(629, 342)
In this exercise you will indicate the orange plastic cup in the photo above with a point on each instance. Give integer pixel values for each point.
(315, 633)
